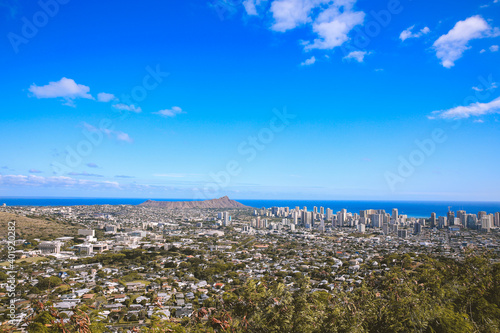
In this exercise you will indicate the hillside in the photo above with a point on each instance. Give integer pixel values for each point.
(220, 203)
(27, 227)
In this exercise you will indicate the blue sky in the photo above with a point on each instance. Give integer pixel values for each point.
(285, 99)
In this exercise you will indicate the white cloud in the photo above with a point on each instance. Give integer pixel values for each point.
(492, 86)
(56, 181)
(105, 97)
(451, 46)
(334, 24)
(251, 6)
(425, 30)
(118, 135)
(331, 21)
(408, 33)
(357, 55)
(85, 174)
(309, 61)
(480, 121)
(494, 48)
(65, 88)
(121, 136)
(474, 110)
(175, 110)
(125, 107)
(289, 14)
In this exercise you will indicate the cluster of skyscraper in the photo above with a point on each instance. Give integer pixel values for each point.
(225, 217)
(375, 218)
(479, 221)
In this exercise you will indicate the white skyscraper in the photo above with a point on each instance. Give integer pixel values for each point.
(226, 219)
(395, 214)
(341, 217)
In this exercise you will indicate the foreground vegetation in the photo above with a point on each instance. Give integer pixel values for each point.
(414, 294)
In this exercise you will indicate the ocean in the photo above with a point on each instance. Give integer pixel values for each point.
(410, 208)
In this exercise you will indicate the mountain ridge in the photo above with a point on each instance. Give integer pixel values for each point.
(223, 202)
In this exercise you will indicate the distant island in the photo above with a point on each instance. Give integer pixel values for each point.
(221, 203)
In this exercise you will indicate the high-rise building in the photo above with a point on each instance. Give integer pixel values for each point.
(497, 219)
(329, 214)
(307, 218)
(395, 214)
(433, 220)
(402, 233)
(322, 210)
(471, 221)
(480, 215)
(227, 219)
(334, 221)
(486, 223)
(385, 229)
(341, 217)
(321, 225)
(315, 210)
(417, 228)
(451, 218)
(377, 220)
(462, 215)
(442, 222)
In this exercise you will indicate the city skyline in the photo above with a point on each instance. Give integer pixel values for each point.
(384, 100)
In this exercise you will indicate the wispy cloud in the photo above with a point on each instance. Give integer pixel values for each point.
(251, 6)
(105, 97)
(494, 48)
(330, 21)
(65, 88)
(175, 175)
(471, 110)
(408, 33)
(56, 181)
(492, 86)
(451, 46)
(125, 107)
(309, 61)
(124, 176)
(175, 110)
(334, 24)
(92, 165)
(85, 174)
(118, 135)
(34, 171)
(359, 56)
